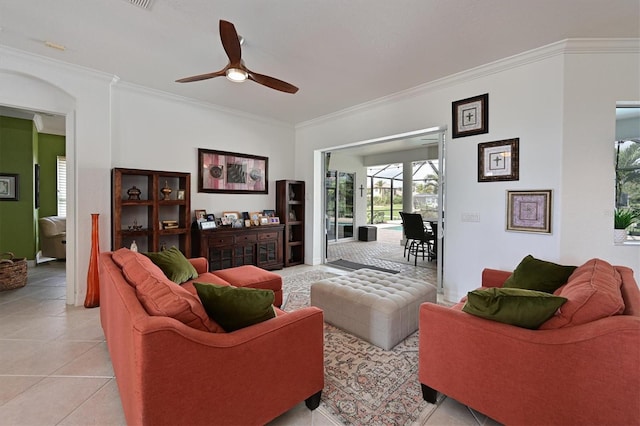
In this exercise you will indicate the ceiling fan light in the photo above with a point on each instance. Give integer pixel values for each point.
(236, 75)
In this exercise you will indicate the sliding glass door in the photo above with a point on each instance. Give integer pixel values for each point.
(339, 204)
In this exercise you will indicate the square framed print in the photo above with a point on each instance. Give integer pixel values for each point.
(232, 173)
(470, 116)
(499, 160)
(529, 211)
(9, 187)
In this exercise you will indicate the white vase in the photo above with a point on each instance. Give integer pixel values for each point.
(619, 235)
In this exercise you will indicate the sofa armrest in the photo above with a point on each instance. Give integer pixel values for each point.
(494, 277)
(201, 264)
(535, 374)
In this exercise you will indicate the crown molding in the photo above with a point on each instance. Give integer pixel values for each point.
(183, 99)
(563, 47)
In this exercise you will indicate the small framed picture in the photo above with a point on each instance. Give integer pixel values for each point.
(247, 223)
(269, 213)
(200, 215)
(180, 194)
(231, 216)
(208, 225)
(9, 188)
(498, 161)
(274, 220)
(529, 211)
(264, 220)
(470, 116)
(211, 217)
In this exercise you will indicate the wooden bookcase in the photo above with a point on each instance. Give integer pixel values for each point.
(150, 219)
(290, 204)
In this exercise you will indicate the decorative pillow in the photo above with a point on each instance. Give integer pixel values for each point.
(539, 275)
(515, 306)
(161, 297)
(236, 307)
(593, 292)
(174, 265)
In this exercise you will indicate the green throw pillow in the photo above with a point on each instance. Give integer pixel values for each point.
(174, 265)
(540, 275)
(236, 307)
(515, 306)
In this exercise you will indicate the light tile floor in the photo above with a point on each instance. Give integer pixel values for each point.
(55, 367)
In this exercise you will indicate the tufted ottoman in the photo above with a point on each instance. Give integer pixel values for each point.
(379, 307)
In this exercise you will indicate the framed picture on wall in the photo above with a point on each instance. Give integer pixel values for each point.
(232, 173)
(499, 160)
(9, 187)
(529, 211)
(470, 116)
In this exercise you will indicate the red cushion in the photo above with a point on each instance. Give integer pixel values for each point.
(592, 292)
(159, 295)
(207, 278)
(251, 276)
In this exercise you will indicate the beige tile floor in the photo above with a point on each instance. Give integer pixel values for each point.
(55, 367)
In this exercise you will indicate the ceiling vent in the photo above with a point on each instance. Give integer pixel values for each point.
(145, 4)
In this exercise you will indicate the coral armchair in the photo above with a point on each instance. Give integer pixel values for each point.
(582, 374)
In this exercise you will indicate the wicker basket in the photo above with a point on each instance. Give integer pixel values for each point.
(13, 272)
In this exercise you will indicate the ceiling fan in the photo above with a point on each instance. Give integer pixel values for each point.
(235, 70)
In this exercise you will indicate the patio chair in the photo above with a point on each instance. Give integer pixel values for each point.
(419, 239)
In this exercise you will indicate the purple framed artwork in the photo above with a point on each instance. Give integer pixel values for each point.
(529, 211)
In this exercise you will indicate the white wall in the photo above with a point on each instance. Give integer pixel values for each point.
(594, 82)
(153, 130)
(537, 97)
(113, 124)
(36, 83)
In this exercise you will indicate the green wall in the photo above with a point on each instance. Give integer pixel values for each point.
(21, 146)
(18, 147)
(49, 148)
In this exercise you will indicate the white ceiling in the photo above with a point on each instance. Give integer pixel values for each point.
(340, 53)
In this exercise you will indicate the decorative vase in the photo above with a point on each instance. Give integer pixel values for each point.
(619, 235)
(134, 193)
(166, 191)
(92, 298)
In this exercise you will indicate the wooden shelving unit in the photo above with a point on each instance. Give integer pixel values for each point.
(146, 218)
(290, 204)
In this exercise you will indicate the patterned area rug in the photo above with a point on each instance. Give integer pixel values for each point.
(364, 385)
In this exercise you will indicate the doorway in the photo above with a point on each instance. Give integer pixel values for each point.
(421, 145)
(339, 205)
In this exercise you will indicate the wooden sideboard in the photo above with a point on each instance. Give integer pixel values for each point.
(229, 247)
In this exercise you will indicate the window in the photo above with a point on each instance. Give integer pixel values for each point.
(61, 185)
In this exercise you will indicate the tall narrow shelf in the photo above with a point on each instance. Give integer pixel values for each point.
(290, 203)
(150, 219)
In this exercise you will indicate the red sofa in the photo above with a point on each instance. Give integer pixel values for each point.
(559, 374)
(169, 372)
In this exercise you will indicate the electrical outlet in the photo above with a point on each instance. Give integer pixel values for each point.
(470, 217)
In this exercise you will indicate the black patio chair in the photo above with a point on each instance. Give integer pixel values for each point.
(420, 240)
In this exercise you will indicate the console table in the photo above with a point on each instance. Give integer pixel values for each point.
(227, 247)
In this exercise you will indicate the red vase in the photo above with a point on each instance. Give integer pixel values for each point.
(92, 299)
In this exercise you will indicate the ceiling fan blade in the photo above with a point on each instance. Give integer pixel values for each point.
(230, 42)
(202, 76)
(271, 82)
